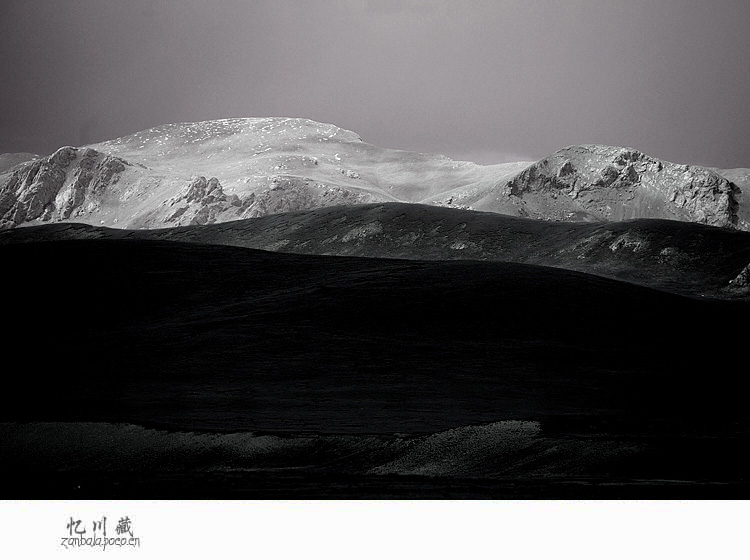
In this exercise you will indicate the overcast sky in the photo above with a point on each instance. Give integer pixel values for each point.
(488, 81)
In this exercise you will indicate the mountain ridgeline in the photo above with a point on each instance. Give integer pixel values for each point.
(272, 308)
(219, 171)
(681, 257)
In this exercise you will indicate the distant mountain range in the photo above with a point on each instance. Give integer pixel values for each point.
(560, 328)
(218, 171)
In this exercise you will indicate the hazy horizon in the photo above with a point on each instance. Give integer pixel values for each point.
(483, 81)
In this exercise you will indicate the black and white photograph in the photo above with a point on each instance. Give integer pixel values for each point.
(385, 251)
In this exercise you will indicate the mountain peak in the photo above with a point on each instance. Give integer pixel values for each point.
(613, 183)
(276, 164)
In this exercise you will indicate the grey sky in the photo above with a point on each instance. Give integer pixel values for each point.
(489, 81)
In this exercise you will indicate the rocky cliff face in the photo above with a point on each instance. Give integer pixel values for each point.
(287, 194)
(218, 171)
(740, 284)
(613, 184)
(740, 177)
(69, 183)
(204, 201)
(199, 204)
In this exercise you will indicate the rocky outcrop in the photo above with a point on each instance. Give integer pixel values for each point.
(740, 284)
(93, 175)
(349, 173)
(288, 193)
(613, 184)
(680, 257)
(741, 178)
(201, 202)
(57, 187)
(255, 167)
(32, 188)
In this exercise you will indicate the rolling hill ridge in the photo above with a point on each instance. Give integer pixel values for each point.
(218, 171)
(681, 257)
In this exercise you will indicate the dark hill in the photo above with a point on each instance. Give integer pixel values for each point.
(681, 257)
(163, 369)
(194, 336)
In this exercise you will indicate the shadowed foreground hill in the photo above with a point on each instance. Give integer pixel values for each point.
(676, 256)
(198, 338)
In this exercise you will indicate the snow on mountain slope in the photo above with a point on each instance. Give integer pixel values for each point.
(604, 183)
(218, 171)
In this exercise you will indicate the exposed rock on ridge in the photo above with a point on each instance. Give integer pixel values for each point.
(258, 167)
(205, 202)
(200, 203)
(740, 284)
(288, 193)
(56, 187)
(613, 184)
(681, 257)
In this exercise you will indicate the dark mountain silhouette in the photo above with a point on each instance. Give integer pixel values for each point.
(624, 382)
(681, 257)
